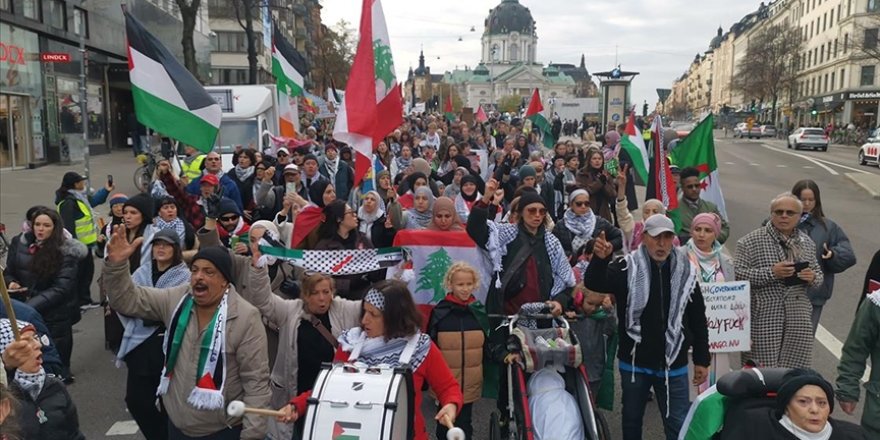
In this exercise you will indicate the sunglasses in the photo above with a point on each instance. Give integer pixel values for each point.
(786, 213)
(536, 211)
(229, 218)
(581, 204)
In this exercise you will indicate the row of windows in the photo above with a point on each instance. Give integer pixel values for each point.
(821, 84)
(236, 42)
(829, 51)
(52, 12)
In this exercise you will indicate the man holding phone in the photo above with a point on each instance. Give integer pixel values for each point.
(780, 262)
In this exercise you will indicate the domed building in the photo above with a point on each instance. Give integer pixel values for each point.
(508, 65)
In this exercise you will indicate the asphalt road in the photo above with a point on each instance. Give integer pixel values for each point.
(752, 173)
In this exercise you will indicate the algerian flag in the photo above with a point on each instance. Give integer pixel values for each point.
(698, 150)
(634, 145)
(539, 122)
(167, 98)
(705, 417)
(431, 253)
(341, 262)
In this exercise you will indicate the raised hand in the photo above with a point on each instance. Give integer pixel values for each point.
(118, 248)
(602, 248)
(622, 176)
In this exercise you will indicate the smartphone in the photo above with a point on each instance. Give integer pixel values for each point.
(234, 241)
(794, 280)
(110, 179)
(290, 188)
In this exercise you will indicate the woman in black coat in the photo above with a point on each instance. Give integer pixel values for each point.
(372, 221)
(243, 177)
(41, 269)
(579, 225)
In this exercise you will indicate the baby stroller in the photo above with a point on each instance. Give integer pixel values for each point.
(539, 348)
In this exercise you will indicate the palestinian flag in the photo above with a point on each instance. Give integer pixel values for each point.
(288, 66)
(447, 108)
(705, 417)
(660, 184)
(373, 105)
(167, 98)
(539, 122)
(346, 431)
(634, 145)
(698, 150)
(341, 262)
(430, 254)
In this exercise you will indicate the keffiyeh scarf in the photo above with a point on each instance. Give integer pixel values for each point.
(581, 227)
(332, 168)
(31, 383)
(135, 331)
(377, 351)
(176, 225)
(708, 262)
(208, 392)
(502, 234)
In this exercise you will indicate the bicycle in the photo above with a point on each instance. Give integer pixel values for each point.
(143, 175)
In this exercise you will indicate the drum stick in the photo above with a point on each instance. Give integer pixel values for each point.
(453, 433)
(237, 408)
(10, 313)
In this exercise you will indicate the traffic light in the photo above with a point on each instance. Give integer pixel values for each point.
(814, 111)
(754, 107)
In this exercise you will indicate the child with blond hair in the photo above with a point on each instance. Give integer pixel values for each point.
(459, 326)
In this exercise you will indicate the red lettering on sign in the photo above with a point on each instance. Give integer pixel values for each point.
(11, 54)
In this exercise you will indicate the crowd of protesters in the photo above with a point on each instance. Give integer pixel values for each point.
(558, 226)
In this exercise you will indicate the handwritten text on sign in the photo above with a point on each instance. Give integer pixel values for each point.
(728, 316)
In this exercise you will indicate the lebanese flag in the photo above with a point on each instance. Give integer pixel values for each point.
(289, 68)
(431, 253)
(481, 115)
(167, 97)
(634, 145)
(373, 105)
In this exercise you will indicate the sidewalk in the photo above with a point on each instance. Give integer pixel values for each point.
(868, 182)
(21, 189)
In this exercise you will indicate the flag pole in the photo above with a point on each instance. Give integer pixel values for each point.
(10, 312)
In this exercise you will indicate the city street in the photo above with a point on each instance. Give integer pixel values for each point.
(752, 173)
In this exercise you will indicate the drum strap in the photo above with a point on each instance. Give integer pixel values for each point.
(406, 354)
(323, 330)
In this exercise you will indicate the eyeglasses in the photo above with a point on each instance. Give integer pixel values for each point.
(581, 204)
(351, 212)
(229, 218)
(784, 212)
(536, 211)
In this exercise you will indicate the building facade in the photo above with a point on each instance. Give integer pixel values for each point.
(40, 104)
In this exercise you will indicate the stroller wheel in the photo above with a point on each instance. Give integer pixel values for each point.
(602, 426)
(494, 426)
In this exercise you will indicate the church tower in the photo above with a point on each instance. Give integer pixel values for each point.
(509, 37)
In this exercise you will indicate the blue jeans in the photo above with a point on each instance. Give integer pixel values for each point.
(635, 398)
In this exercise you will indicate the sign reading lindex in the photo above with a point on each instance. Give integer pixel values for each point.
(55, 57)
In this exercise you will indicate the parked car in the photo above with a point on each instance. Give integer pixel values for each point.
(812, 138)
(870, 151)
(742, 131)
(768, 131)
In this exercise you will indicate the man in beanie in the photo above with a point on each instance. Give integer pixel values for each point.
(215, 343)
(310, 174)
(661, 315)
(232, 224)
(337, 172)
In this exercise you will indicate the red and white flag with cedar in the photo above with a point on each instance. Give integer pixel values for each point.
(372, 106)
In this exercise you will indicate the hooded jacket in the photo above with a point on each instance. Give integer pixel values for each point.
(828, 233)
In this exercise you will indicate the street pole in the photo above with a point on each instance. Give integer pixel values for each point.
(84, 111)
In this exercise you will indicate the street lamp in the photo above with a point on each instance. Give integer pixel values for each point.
(84, 111)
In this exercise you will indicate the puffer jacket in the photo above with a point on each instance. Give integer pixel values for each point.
(832, 235)
(862, 343)
(61, 419)
(459, 335)
(54, 298)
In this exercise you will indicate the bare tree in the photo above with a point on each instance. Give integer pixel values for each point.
(769, 68)
(189, 13)
(245, 11)
(336, 47)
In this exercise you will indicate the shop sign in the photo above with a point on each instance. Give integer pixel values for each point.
(863, 95)
(55, 57)
(11, 54)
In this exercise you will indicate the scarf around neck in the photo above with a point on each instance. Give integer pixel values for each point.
(31, 383)
(332, 168)
(378, 351)
(708, 262)
(211, 369)
(135, 332)
(581, 227)
(175, 225)
(243, 173)
(367, 219)
(802, 434)
(791, 244)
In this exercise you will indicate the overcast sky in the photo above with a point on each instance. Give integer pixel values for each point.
(658, 38)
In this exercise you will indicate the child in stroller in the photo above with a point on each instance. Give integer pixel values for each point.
(541, 346)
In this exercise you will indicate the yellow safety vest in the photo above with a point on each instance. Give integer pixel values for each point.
(84, 227)
(192, 170)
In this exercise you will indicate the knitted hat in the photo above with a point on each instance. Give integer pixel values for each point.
(309, 157)
(219, 257)
(117, 198)
(316, 191)
(796, 379)
(144, 204)
(227, 206)
(527, 198)
(527, 171)
(709, 219)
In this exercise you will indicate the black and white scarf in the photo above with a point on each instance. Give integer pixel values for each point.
(243, 173)
(377, 351)
(581, 227)
(175, 225)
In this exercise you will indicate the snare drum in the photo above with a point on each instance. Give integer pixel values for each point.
(350, 401)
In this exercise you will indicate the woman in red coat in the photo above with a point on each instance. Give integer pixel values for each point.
(389, 319)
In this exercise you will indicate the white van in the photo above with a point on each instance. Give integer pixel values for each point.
(248, 112)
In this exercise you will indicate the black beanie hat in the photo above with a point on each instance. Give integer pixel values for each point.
(144, 204)
(527, 198)
(797, 379)
(316, 191)
(309, 157)
(219, 257)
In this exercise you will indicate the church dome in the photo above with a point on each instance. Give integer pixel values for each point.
(510, 16)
